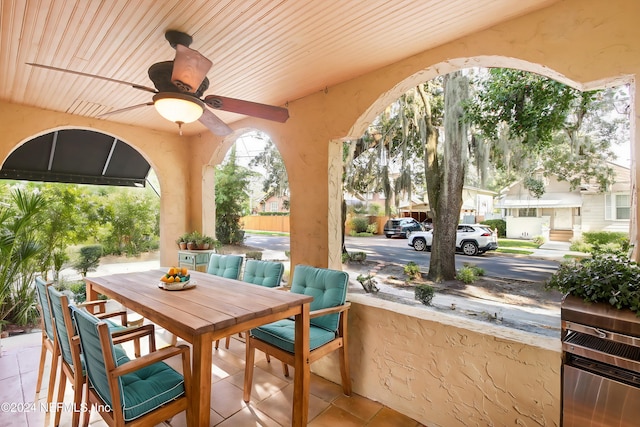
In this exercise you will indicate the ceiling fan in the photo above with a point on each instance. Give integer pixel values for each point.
(179, 86)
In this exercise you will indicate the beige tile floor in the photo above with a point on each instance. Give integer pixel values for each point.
(270, 403)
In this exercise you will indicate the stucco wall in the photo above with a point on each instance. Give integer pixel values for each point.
(448, 371)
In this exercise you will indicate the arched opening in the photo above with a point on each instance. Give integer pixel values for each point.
(542, 210)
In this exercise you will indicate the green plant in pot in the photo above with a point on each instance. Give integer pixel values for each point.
(608, 279)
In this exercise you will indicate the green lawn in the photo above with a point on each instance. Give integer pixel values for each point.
(516, 243)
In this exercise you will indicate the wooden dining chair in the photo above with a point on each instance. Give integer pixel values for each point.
(262, 273)
(72, 364)
(327, 329)
(140, 392)
(49, 342)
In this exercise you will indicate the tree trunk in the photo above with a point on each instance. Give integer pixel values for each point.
(447, 197)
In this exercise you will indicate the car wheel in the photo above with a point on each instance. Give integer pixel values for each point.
(419, 244)
(470, 248)
(388, 236)
(407, 233)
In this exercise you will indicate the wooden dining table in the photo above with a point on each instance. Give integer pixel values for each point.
(214, 308)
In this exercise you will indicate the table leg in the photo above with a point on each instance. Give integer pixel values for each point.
(301, 377)
(92, 295)
(201, 381)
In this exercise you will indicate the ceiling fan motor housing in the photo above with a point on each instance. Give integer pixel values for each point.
(160, 74)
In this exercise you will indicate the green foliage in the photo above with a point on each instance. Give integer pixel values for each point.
(19, 255)
(368, 283)
(254, 255)
(602, 242)
(353, 257)
(535, 186)
(130, 222)
(88, 259)
(274, 213)
(232, 182)
(533, 107)
(539, 240)
(372, 228)
(359, 224)
(499, 224)
(412, 270)
(276, 181)
(469, 273)
(79, 290)
(609, 279)
(424, 293)
(374, 209)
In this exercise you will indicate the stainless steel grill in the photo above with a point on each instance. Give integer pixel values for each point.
(601, 366)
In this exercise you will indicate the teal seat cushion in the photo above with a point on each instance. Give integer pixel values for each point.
(282, 334)
(328, 289)
(263, 273)
(225, 266)
(148, 388)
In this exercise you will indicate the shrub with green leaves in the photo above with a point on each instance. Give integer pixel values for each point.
(424, 293)
(610, 279)
(88, 259)
(412, 270)
(539, 240)
(254, 255)
(359, 224)
(469, 273)
(372, 228)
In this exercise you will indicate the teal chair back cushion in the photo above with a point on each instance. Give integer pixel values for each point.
(263, 273)
(141, 391)
(328, 289)
(59, 303)
(225, 266)
(43, 300)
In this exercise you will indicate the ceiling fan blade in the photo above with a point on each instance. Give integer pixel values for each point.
(122, 110)
(79, 73)
(214, 124)
(190, 68)
(254, 109)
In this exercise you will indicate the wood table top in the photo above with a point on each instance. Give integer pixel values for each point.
(214, 304)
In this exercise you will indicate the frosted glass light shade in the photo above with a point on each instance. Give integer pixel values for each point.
(177, 107)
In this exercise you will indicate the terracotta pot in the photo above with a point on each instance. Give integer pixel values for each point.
(191, 246)
(183, 245)
(205, 246)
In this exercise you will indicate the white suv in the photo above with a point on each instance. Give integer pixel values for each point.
(471, 239)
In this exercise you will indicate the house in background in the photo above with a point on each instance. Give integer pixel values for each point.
(561, 213)
(477, 206)
(273, 203)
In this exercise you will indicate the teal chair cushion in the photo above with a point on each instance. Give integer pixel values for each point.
(263, 273)
(328, 289)
(225, 266)
(43, 300)
(149, 388)
(57, 308)
(141, 391)
(282, 335)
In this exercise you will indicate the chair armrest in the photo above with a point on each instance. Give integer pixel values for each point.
(100, 304)
(90, 306)
(330, 310)
(149, 359)
(131, 334)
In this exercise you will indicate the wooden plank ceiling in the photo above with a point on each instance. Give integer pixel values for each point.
(268, 51)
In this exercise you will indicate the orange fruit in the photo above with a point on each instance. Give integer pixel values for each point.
(184, 271)
(170, 279)
(172, 271)
(163, 279)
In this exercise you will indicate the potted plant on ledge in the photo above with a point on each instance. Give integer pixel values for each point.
(611, 281)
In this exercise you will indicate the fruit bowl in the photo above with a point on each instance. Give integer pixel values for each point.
(175, 279)
(176, 286)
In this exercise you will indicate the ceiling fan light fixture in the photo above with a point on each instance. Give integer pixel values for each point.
(177, 107)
